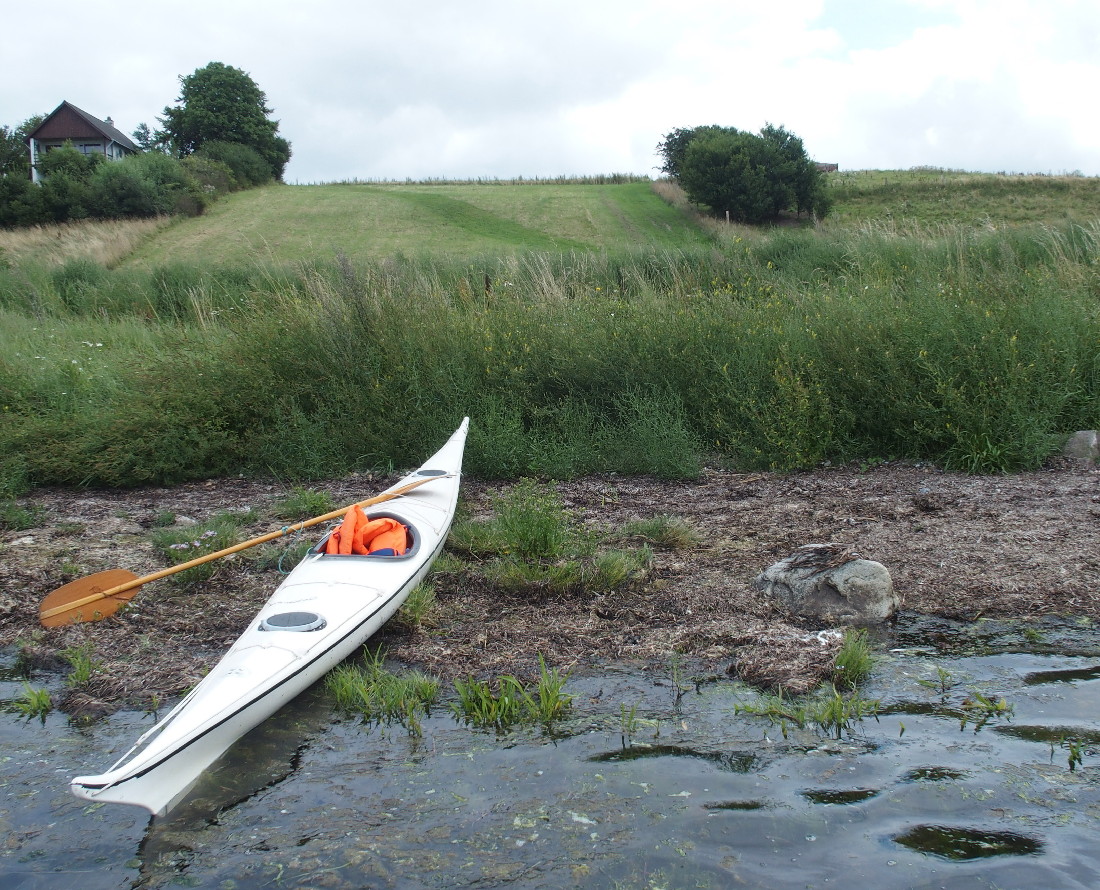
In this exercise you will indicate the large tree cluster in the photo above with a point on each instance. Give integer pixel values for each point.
(752, 177)
(222, 106)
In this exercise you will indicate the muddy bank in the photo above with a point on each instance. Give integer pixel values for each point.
(962, 547)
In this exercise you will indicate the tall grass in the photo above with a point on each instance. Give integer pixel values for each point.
(974, 348)
(106, 242)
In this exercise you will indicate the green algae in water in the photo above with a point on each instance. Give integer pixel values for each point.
(963, 844)
(855, 795)
(933, 774)
(732, 761)
(739, 805)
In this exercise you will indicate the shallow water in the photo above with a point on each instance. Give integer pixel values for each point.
(694, 795)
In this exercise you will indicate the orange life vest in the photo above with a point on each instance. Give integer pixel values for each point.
(359, 534)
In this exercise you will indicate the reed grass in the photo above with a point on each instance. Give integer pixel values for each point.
(33, 702)
(381, 696)
(971, 346)
(507, 701)
(828, 711)
(854, 661)
(103, 242)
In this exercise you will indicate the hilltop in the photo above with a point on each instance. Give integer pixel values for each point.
(363, 221)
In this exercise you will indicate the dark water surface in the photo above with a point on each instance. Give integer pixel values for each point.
(688, 794)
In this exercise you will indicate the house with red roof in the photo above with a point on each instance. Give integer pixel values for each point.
(88, 134)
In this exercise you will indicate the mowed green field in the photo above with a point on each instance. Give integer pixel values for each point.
(283, 223)
(928, 196)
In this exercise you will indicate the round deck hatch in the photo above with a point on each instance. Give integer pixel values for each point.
(298, 621)
(431, 472)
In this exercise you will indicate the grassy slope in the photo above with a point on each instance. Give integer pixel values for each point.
(292, 223)
(945, 196)
(372, 221)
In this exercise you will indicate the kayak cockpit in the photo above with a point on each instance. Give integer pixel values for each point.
(410, 543)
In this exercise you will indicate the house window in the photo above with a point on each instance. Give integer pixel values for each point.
(91, 148)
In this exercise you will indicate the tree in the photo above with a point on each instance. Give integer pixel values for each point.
(219, 103)
(754, 178)
(145, 139)
(15, 155)
(673, 147)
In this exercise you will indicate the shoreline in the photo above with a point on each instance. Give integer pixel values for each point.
(1021, 547)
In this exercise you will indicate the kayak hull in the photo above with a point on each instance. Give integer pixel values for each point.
(324, 610)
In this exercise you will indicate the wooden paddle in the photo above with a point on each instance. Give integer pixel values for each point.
(110, 589)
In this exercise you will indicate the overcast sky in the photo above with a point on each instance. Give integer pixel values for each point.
(487, 88)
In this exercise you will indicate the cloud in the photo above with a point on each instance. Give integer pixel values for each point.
(494, 88)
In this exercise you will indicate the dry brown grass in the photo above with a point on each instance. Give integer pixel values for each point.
(107, 242)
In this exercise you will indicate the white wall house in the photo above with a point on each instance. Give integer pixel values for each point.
(88, 134)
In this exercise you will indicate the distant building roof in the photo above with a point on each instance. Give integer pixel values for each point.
(69, 122)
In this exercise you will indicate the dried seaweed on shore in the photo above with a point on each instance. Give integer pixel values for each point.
(994, 546)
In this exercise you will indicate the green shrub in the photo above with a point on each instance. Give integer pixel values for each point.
(782, 350)
(119, 190)
(247, 165)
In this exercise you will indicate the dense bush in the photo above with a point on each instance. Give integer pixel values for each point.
(77, 186)
(247, 165)
(752, 177)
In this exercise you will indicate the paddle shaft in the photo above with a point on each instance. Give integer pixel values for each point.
(209, 557)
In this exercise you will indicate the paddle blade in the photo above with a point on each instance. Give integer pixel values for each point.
(79, 600)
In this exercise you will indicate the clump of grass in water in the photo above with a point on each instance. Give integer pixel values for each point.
(979, 709)
(513, 703)
(943, 682)
(832, 714)
(381, 696)
(84, 666)
(1075, 749)
(33, 703)
(854, 661)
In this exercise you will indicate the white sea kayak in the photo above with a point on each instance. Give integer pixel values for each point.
(322, 613)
